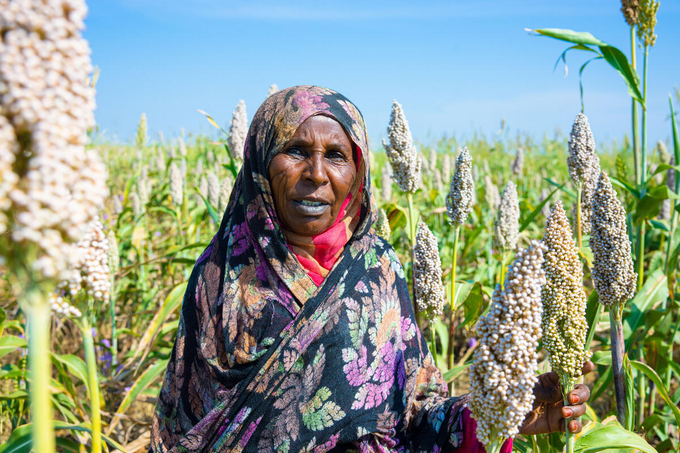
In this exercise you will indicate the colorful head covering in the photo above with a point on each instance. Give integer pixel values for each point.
(265, 359)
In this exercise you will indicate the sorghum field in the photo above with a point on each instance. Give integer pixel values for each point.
(525, 255)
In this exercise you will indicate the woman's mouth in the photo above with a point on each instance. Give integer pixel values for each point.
(308, 207)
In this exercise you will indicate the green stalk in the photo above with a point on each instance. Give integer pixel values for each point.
(634, 115)
(567, 385)
(114, 338)
(452, 298)
(91, 362)
(495, 444)
(40, 369)
(640, 249)
(502, 279)
(434, 344)
(643, 177)
(617, 351)
(414, 228)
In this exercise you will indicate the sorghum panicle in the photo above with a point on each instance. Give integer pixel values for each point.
(225, 193)
(518, 163)
(506, 225)
(613, 275)
(461, 195)
(176, 185)
(492, 195)
(51, 186)
(647, 21)
(629, 8)
(427, 274)
(382, 225)
(182, 147)
(503, 370)
(386, 189)
(273, 88)
(238, 130)
(584, 166)
(401, 151)
(142, 138)
(564, 301)
(213, 189)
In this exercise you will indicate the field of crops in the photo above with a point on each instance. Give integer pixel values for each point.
(89, 351)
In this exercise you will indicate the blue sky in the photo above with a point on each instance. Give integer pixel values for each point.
(457, 67)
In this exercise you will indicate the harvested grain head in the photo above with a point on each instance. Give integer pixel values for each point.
(503, 370)
(238, 129)
(564, 301)
(401, 151)
(51, 186)
(506, 225)
(613, 275)
(427, 274)
(460, 199)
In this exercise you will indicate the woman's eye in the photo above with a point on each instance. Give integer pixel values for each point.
(294, 152)
(335, 155)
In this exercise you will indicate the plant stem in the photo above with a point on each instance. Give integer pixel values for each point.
(642, 392)
(643, 142)
(114, 338)
(640, 249)
(434, 344)
(502, 279)
(91, 362)
(579, 197)
(414, 229)
(617, 342)
(567, 385)
(452, 298)
(40, 369)
(634, 115)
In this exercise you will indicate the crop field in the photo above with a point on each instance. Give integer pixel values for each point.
(107, 334)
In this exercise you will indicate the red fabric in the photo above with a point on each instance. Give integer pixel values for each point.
(318, 254)
(470, 443)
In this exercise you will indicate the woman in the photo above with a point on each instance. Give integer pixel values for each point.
(297, 332)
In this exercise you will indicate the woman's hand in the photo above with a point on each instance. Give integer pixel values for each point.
(549, 411)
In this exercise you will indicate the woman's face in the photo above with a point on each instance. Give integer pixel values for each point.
(312, 176)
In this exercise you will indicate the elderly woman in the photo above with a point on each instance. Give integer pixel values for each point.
(297, 332)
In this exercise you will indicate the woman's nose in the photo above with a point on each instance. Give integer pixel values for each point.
(316, 170)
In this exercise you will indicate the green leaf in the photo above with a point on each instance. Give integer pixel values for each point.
(75, 365)
(651, 374)
(141, 383)
(473, 305)
(171, 303)
(593, 314)
(597, 437)
(21, 440)
(454, 372)
(3, 316)
(535, 212)
(625, 185)
(676, 141)
(10, 343)
(655, 289)
(630, 393)
(618, 61)
(396, 215)
(602, 357)
(659, 225)
(650, 205)
(583, 37)
(212, 211)
(567, 191)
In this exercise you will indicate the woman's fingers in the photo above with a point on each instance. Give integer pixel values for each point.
(573, 411)
(547, 394)
(579, 395)
(588, 367)
(575, 426)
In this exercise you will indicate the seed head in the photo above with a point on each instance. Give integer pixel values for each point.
(629, 8)
(503, 370)
(183, 168)
(670, 182)
(518, 163)
(427, 274)
(114, 256)
(584, 166)
(238, 131)
(492, 195)
(117, 206)
(401, 151)
(382, 225)
(613, 275)
(564, 301)
(446, 168)
(203, 186)
(142, 138)
(91, 273)
(143, 191)
(61, 307)
(136, 204)
(225, 192)
(545, 193)
(386, 189)
(647, 21)
(506, 225)
(461, 195)
(182, 147)
(272, 89)
(664, 156)
(213, 189)
(176, 185)
(50, 186)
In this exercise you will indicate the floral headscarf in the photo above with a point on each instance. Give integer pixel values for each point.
(265, 360)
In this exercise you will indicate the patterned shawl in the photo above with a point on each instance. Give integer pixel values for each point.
(265, 360)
